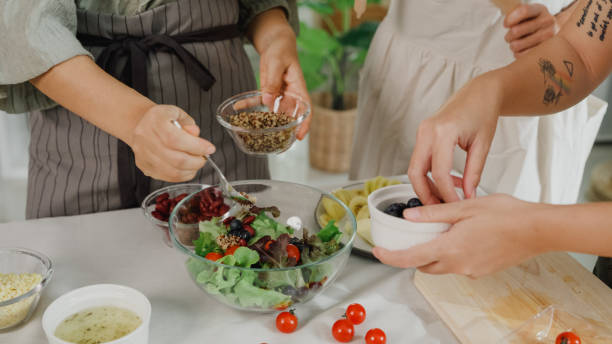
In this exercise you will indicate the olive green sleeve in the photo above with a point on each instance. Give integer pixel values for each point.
(36, 35)
(249, 9)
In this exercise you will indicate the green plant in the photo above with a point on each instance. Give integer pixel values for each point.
(332, 56)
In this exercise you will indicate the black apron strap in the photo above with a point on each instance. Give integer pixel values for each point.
(134, 185)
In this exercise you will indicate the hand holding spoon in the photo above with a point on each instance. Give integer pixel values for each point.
(226, 188)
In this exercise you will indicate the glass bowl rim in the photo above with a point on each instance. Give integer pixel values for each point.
(248, 94)
(156, 193)
(48, 274)
(179, 246)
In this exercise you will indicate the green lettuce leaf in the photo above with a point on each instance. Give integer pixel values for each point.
(279, 279)
(250, 295)
(212, 227)
(330, 232)
(205, 244)
(245, 257)
(236, 286)
(264, 225)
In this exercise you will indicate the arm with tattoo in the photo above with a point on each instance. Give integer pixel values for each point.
(547, 79)
(564, 70)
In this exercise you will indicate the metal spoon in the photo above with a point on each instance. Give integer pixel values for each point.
(226, 188)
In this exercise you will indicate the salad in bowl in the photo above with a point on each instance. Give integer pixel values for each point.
(268, 255)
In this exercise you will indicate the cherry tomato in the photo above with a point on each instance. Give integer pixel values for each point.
(567, 338)
(375, 336)
(355, 313)
(213, 255)
(267, 245)
(231, 250)
(286, 322)
(293, 251)
(343, 330)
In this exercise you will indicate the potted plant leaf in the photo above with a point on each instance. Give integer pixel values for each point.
(331, 57)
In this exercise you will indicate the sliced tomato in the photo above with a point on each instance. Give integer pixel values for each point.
(293, 252)
(213, 256)
(231, 250)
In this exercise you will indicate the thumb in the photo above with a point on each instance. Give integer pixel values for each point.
(444, 212)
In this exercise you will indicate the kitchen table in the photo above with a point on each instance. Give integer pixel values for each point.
(121, 247)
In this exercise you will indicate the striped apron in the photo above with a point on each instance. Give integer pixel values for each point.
(75, 167)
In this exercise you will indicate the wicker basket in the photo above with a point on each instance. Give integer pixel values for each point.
(331, 133)
(601, 183)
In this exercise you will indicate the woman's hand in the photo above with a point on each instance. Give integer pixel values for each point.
(468, 119)
(279, 65)
(280, 71)
(486, 235)
(165, 152)
(529, 25)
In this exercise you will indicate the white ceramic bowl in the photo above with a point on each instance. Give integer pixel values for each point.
(96, 296)
(395, 233)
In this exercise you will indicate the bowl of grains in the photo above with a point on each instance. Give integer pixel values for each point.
(23, 276)
(262, 124)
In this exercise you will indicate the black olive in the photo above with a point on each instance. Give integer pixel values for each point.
(235, 225)
(395, 209)
(414, 202)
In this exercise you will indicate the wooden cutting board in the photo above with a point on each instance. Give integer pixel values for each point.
(487, 309)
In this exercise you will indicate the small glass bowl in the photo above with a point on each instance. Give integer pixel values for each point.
(148, 206)
(18, 310)
(269, 140)
(268, 290)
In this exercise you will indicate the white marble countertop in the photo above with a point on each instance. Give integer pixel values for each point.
(121, 247)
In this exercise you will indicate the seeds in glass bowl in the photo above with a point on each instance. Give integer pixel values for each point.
(12, 286)
(263, 142)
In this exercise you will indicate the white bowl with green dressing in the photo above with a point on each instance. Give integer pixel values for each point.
(103, 313)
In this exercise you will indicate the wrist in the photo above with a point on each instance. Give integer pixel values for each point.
(491, 91)
(541, 229)
(135, 111)
(269, 27)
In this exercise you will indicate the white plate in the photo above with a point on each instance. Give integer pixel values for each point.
(361, 247)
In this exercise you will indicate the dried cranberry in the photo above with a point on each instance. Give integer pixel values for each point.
(160, 208)
(180, 197)
(156, 214)
(243, 242)
(161, 197)
(249, 229)
(248, 220)
(194, 202)
(227, 221)
(207, 197)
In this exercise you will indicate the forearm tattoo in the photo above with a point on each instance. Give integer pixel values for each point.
(595, 18)
(556, 83)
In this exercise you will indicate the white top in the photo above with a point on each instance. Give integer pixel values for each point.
(121, 247)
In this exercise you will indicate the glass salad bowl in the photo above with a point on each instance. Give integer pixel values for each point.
(265, 259)
(262, 124)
